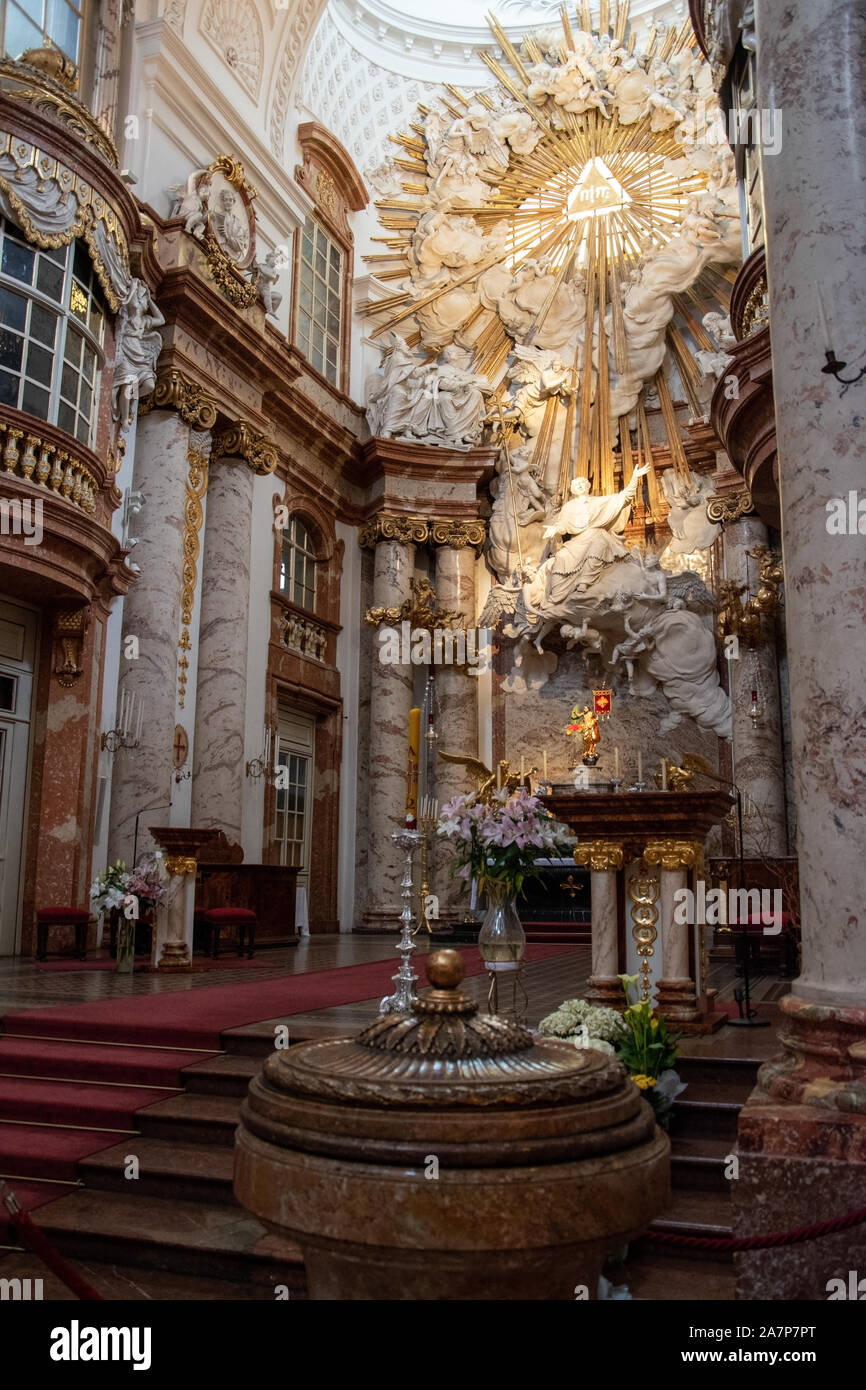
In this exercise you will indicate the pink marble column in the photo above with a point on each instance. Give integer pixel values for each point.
(802, 1136)
(759, 768)
(142, 776)
(219, 781)
(457, 692)
(391, 698)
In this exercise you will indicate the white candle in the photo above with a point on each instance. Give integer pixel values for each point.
(544, 761)
(522, 767)
(640, 767)
(616, 762)
(664, 775)
(140, 720)
(822, 314)
(122, 715)
(499, 777)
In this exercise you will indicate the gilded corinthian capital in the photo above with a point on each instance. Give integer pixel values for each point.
(599, 855)
(458, 534)
(673, 854)
(408, 530)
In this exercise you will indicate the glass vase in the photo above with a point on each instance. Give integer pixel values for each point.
(502, 940)
(125, 945)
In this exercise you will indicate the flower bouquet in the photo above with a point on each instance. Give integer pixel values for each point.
(127, 891)
(638, 1037)
(497, 843)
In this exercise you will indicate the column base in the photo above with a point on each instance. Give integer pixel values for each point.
(679, 1006)
(175, 956)
(802, 1151)
(380, 920)
(606, 990)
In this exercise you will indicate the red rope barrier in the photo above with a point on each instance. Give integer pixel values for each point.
(38, 1244)
(769, 1242)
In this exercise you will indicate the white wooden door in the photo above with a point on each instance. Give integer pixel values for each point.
(18, 628)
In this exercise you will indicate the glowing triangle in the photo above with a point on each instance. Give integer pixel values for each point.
(596, 193)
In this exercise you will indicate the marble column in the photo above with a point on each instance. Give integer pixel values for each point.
(676, 994)
(391, 698)
(759, 767)
(457, 692)
(604, 859)
(802, 1136)
(219, 780)
(142, 776)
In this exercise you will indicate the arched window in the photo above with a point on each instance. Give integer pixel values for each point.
(320, 302)
(52, 321)
(30, 23)
(298, 565)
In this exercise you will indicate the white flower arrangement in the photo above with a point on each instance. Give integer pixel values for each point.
(588, 1024)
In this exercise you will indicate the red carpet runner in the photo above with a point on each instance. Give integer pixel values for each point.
(196, 1018)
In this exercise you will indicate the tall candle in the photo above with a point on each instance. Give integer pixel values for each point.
(522, 767)
(640, 767)
(499, 777)
(616, 762)
(412, 768)
(544, 760)
(664, 775)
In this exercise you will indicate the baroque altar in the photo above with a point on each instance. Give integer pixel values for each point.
(642, 849)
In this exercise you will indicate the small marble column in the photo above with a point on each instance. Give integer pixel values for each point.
(173, 933)
(676, 993)
(142, 776)
(391, 698)
(759, 767)
(457, 692)
(218, 784)
(604, 859)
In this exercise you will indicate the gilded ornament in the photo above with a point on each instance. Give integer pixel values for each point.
(174, 391)
(730, 506)
(601, 856)
(241, 441)
(408, 530)
(673, 854)
(177, 864)
(421, 610)
(458, 534)
(643, 889)
(193, 515)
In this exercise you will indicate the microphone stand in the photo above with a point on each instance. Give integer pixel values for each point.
(144, 810)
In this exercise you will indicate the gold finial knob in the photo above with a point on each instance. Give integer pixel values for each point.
(445, 969)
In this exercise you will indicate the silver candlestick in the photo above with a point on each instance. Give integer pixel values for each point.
(400, 1002)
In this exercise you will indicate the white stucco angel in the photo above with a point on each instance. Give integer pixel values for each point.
(526, 298)
(636, 640)
(189, 204)
(537, 375)
(138, 344)
(519, 500)
(449, 407)
(687, 517)
(269, 273)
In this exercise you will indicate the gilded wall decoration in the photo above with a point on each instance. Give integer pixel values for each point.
(193, 515)
(242, 441)
(174, 391)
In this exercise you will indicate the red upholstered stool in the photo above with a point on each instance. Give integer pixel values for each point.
(218, 917)
(48, 917)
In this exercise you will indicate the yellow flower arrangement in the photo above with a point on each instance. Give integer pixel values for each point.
(644, 1083)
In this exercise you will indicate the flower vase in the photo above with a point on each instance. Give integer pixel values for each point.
(125, 945)
(502, 940)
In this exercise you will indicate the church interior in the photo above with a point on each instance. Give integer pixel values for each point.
(432, 740)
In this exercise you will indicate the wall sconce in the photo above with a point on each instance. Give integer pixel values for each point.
(127, 731)
(265, 764)
(832, 365)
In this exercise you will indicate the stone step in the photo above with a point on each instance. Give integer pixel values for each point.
(117, 1282)
(201, 1239)
(700, 1163)
(191, 1119)
(222, 1076)
(258, 1039)
(692, 1213)
(707, 1109)
(190, 1172)
(727, 1071)
(667, 1279)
